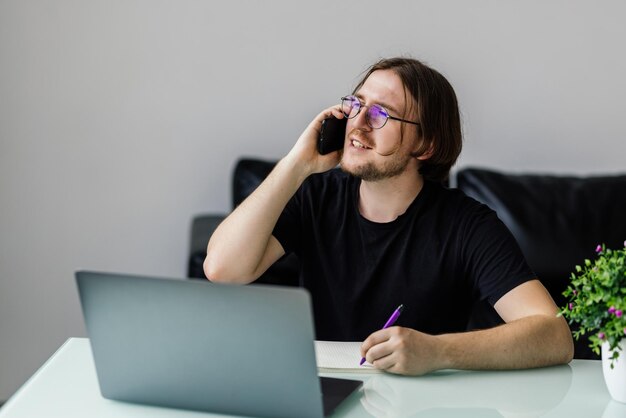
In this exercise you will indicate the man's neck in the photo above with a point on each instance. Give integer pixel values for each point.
(383, 201)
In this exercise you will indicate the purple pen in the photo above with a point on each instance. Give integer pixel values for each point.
(392, 319)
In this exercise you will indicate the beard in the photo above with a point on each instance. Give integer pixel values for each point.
(394, 166)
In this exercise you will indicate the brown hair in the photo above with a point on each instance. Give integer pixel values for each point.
(437, 110)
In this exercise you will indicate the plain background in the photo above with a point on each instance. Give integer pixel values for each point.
(122, 119)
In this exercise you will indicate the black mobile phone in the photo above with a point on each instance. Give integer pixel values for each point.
(332, 135)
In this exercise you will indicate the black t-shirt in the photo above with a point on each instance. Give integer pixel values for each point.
(444, 253)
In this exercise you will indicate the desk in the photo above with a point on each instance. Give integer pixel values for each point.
(66, 386)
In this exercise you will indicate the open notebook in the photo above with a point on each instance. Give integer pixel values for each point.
(339, 357)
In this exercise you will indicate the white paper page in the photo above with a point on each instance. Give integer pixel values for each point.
(339, 356)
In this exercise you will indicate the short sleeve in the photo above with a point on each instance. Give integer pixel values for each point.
(493, 259)
(289, 225)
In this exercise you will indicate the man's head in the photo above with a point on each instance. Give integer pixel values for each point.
(429, 135)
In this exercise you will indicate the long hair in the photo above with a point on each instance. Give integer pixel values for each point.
(437, 112)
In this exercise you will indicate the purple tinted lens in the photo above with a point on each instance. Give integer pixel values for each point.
(377, 116)
(350, 106)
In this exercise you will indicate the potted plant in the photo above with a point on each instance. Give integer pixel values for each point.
(597, 303)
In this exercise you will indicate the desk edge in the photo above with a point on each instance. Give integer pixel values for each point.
(9, 403)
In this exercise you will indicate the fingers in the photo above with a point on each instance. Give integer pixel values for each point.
(315, 127)
(375, 338)
(305, 153)
(333, 111)
(399, 350)
(378, 348)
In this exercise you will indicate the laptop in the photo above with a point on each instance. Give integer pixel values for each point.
(240, 350)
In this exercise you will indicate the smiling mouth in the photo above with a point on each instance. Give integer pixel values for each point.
(358, 144)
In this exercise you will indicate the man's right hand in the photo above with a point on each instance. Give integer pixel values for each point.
(304, 153)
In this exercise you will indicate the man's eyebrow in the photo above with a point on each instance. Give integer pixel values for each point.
(385, 105)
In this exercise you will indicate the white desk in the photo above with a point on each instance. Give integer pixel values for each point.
(66, 386)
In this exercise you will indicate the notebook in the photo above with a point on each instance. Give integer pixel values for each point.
(241, 350)
(341, 357)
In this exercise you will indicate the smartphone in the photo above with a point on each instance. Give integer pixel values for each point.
(332, 135)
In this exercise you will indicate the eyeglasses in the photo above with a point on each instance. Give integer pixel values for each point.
(376, 116)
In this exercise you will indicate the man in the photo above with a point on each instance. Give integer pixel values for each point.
(384, 232)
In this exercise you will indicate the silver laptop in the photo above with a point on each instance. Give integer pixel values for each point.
(242, 350)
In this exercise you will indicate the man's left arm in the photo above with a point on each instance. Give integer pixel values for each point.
(532, 336)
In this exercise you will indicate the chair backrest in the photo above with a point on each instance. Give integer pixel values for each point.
(248, 174)
(557, 220)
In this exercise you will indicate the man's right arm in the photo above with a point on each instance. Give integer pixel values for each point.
(243, 247)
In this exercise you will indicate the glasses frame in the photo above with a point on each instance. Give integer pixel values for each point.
(367, 116)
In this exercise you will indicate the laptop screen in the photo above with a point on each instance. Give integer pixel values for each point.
(244, 350)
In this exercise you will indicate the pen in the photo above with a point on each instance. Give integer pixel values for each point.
(392, 319)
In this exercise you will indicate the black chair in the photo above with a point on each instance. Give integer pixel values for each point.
(557, 220)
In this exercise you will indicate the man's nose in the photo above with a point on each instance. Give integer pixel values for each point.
(360, 121)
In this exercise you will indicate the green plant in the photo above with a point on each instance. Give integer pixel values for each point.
(597, 300)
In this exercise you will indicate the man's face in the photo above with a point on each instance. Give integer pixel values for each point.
(377, 154)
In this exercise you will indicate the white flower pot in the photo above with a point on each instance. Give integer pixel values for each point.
(615, 378)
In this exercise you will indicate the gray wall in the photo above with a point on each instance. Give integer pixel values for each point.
(121, 119)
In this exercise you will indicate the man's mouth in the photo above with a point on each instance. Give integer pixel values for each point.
(358, 144)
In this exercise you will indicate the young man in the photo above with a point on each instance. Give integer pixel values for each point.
(384, 232)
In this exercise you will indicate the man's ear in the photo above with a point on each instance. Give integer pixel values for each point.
(425, 150)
